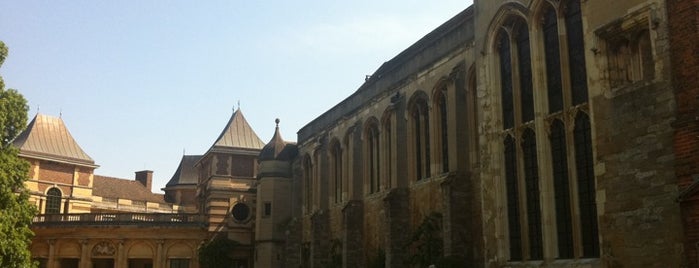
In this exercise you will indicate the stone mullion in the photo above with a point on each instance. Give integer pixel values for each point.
(573, 183)
(542, 130)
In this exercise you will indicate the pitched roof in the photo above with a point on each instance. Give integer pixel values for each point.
(125, 189)
(47, 137)
(238, 134)
(185, 173)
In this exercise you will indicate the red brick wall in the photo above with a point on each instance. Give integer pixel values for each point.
(683, 22)
(55, 173)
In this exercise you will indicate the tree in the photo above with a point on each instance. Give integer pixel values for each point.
(15, 210)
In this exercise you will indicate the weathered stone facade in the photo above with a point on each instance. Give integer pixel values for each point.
(576, 168)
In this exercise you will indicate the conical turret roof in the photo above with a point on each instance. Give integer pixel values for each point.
(277, 148)
(47, 137)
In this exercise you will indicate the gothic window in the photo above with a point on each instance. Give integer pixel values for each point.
(576, 52)
(387, 151)
(53, 201)
(513, 223)
(553, 61)
(421, 139)
(531, 180)
(336, 158)
(372, 157)
(443, 129)
(586, 186)
(508, 115)
(308, 182)
(525, 72)
(561, 186)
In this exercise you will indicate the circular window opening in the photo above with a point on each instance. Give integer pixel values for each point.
(241, 212)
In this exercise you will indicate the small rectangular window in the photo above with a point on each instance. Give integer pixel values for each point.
(268, 209)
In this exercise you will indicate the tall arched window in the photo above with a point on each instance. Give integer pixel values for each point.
(553, 61)
(586, 185)
(308, 182)
(513, 223)
(508, 113)
(53, 201)
(387, 154)
(576, 52)
(336, 170)
(524, 67)
(561, 187)
(531, 181)
(373, 157)
(443, 129)
(421, 139)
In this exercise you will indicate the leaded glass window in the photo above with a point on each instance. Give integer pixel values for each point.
(586, 186)
(531, 181)
(553, 61)
(561, 186)
(513, 223)
(444, 131)
(576, 52)
(53, 201)
(508, 113)
(524, 66)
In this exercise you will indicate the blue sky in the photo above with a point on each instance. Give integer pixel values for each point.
(138, 82)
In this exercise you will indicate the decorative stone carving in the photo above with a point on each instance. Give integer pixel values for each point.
(104, 248)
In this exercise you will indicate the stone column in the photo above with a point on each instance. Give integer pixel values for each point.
(84, 254)
(320, 239)
(120, 260)
(52, 254)
(159, 261)
(397, 223)
(352, 248)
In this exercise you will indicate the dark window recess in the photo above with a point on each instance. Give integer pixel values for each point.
(53, 201)
(268, 209)
(553, 61)
(179, 263)
(564, 224)
(525, 72)
(418, 144)
(241, 212)
(444, 131)
(586, 186)
(576, 52)
(373, 158)
(307, 171)
(508, 114)
(531, 178)
(337, 171)
(513, 224)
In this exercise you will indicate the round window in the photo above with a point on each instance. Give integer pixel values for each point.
(241, 212)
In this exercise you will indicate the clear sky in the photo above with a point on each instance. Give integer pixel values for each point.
(139, 82)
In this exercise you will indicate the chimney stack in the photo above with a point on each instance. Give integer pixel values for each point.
(145, 177)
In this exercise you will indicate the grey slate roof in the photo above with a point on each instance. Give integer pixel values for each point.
(238, 134)
(185, 173)
(47, 137)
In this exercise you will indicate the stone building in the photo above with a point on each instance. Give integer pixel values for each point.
(519, 133)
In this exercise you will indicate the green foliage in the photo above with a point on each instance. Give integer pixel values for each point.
(426, 242)
(16, 212)
(426, 245)
(216, 253)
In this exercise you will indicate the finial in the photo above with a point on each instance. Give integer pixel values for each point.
(38, 107)
(276, 121)
(238, 104)
(60, 113)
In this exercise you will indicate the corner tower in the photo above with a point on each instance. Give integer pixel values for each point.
(225, 188)
(275, 198)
